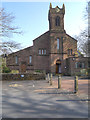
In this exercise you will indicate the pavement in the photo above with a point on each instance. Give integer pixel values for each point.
(37, 99)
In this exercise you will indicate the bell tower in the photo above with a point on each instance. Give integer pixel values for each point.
(57, 33)
(56, 18)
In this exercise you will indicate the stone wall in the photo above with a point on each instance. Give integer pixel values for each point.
(41, 61)
(71, 64)
(23, 59)
(38, 76)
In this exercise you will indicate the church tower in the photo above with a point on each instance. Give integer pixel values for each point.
(56, 18)
(57, 33)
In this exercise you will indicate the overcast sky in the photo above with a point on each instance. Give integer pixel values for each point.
(32, 18)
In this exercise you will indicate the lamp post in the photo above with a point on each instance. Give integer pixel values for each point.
(5, 56)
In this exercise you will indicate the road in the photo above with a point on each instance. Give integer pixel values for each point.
(37, 99)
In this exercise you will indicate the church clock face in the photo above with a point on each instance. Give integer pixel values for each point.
(57, 9)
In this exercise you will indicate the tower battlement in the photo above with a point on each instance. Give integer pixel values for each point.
(56, 18)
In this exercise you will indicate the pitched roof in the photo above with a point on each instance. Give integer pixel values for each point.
(71, 37)
(22, 50)
(41, 35)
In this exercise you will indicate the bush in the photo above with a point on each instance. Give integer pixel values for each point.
(14, 71)
(77, 73)
(88, 70)
(83, 72)
(38, 71)
(5, 69)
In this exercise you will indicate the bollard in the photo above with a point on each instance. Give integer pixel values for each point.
(44, 74)
(51, 79)
(48, 78)
(76, 84)
(59, 81)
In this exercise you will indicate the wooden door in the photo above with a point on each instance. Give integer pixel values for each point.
(59, 68)
(23, 68)
(56, 68)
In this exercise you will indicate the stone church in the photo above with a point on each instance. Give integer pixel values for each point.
(54, 51)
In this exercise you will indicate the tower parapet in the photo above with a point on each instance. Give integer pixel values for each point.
(56, 18)
(50, 5)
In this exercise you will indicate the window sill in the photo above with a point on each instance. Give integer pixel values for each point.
(42, 55)
(30, 64)
(16, 64)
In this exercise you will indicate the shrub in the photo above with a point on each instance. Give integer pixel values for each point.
(88, 70)
(14, 71)
(38, 71)
(77, 73)
(83, 72)
(5, 69)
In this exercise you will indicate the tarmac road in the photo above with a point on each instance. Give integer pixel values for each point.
(37, 99)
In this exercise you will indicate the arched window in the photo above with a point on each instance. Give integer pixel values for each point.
(58, 44)
(70, 51)
(57, 21)
(30, 59)
(16, 59)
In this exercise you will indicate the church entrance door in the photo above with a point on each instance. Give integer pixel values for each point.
(58, 66)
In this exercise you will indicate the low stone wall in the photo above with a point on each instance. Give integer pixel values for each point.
(25, 76)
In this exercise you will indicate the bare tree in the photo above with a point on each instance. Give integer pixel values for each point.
(9, 47)
(84, 36)
(6, 21)
(82, 42)
(6, 31)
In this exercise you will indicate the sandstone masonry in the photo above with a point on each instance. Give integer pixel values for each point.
(52, 52)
